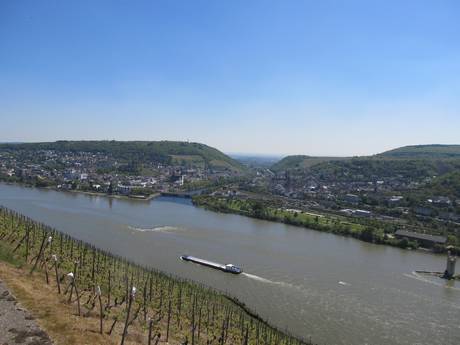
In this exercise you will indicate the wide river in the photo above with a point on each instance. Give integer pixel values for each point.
(333, 289)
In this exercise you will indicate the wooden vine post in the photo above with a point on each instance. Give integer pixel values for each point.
(130, 302)
(55, 259)
(101, 313)
(44, 259)
(150, 330)
(39, 254)
(169, 320)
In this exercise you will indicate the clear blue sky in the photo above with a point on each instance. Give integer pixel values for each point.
(282, 77)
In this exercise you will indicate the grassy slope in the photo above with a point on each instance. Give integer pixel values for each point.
(53, 314)
(162, 151)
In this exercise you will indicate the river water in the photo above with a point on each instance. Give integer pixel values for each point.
(333, 289)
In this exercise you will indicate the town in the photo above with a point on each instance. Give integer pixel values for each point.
(102, 173)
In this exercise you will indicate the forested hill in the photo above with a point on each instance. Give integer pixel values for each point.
(413, 162)
(167, 152)
(415, 152)
(424, 152)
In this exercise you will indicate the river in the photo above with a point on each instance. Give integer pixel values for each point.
(334, 289)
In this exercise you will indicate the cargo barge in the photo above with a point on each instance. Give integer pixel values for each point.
(225, 268)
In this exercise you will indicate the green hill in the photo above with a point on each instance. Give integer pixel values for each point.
(167, 152)
(301, 162)
(424, 151)
(371, 168)
(426, 160)
(368, 168)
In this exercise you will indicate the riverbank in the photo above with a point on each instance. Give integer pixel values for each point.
(320, 222)
(91, 193)
(39, 259)
(113, 196)
(185, 195)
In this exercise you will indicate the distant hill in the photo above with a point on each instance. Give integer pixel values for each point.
(412, 153)
(167, 152)
(424, 152)
(372, 168)
(302, 162)
(416, 162)
(255, 161)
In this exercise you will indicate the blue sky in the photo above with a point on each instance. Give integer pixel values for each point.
(274, 77)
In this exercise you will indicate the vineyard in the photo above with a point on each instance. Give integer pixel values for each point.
(136, 304)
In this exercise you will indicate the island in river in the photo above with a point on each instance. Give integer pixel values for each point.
(369, 231)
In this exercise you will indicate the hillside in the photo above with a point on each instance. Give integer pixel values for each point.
(424, 151)
(446, 185)
(368, 168)
(167, 152)
(301, 162)
(371, 168)
(421, 160)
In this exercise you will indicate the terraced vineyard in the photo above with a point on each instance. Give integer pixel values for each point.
(133, 303)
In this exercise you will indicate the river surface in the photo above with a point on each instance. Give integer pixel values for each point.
(333, 289)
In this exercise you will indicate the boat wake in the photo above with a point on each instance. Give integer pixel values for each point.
(267, 281)
(253, 276)
(165, 228)
(420, 277)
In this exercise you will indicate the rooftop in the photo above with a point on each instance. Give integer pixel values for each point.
(419, 236)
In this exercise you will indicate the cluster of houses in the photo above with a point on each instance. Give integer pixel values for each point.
(355, 196)
(96, 172)
(309, 184)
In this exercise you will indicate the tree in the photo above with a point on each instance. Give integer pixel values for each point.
(367, 234)
(258, 209)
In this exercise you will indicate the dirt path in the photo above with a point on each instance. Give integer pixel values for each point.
(17, 326)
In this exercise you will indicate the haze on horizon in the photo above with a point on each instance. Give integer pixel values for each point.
(269, 77)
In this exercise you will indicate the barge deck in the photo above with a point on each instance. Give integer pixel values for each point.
(226, 268)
